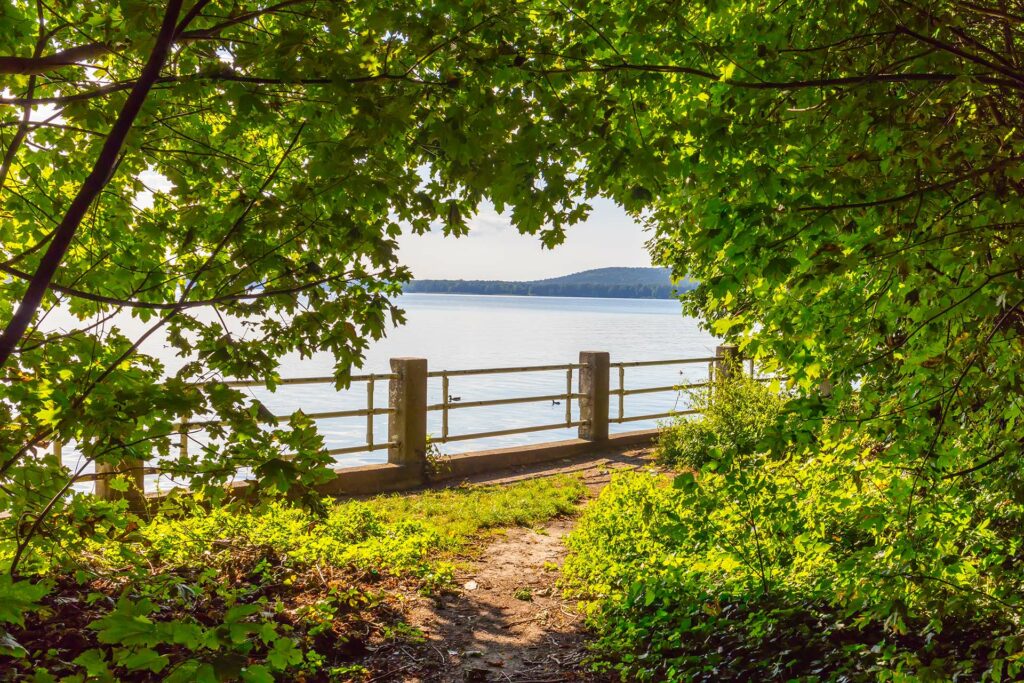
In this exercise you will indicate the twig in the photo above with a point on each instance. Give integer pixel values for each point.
(390, 673)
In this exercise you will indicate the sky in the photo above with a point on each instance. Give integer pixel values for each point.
(494, 250)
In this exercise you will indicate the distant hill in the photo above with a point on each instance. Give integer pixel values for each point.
(617, 283)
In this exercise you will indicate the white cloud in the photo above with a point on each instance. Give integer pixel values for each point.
(155, 182)
(487, 221)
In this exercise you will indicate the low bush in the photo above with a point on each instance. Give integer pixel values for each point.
(252, 594)
(736, 414)
(799, 568)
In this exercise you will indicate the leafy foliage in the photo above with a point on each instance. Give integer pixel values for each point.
(843, 179)
(768, 573)
(737, 414)
(236, 594)
(795, 564)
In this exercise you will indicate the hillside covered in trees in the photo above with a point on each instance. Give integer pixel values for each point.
(610, 283)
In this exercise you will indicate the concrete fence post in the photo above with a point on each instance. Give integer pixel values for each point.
(594, 379)
(407, 422)
(131, 469)
(729, 364)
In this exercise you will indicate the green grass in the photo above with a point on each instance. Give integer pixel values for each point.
(462, 512)
(414, 533)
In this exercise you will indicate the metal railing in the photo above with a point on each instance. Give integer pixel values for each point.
(449, 403)
(369, 412)
(586, 387)
(622, 392)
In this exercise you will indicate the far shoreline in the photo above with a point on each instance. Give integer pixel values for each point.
(544, 296)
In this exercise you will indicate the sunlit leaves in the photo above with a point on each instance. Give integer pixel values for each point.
(254, 213)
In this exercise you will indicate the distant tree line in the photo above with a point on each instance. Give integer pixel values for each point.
(596, 290)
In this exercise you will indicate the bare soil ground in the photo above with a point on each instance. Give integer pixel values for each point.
(507, 621)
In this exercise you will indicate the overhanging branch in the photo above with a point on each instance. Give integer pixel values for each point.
(34, 66)
(91, 187)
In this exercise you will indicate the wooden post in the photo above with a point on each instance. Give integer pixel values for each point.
(407, 423)
(132, 469)
(594, 395)
(728, 365)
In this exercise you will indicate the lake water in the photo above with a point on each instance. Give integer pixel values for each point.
(455, 332)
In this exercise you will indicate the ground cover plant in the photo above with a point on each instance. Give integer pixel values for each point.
(766, 566)
(229, 593)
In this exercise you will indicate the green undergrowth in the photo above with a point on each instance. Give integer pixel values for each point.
(808, 563)
(735, 415)
(253, 593)
(415, 534)
(692, 582)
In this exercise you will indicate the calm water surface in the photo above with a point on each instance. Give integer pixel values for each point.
(455, 332)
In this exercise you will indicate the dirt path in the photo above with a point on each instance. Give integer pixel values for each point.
(507, 621)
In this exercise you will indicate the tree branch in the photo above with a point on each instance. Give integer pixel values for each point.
(91, 187)
(75, 56)
(862, 79)
(919, 191)
(34, 66)
(162, 306)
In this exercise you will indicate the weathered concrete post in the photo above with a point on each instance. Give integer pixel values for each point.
(131, 469)
(407, 423)
(594, 395)
(729, 365)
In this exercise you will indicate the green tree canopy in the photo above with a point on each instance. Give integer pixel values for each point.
(843, 179)
(298, 138)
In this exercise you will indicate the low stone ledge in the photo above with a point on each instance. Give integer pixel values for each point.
(370, 479)
(367, 480)
(481, 462)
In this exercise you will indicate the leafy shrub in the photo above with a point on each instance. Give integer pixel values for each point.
(796, 569)
(736, 414)
(252, 594)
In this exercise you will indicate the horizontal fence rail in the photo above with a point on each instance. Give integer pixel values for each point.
(448, 402)
(369, 412)
(622, 392)
(726, 361)
(587, 387)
